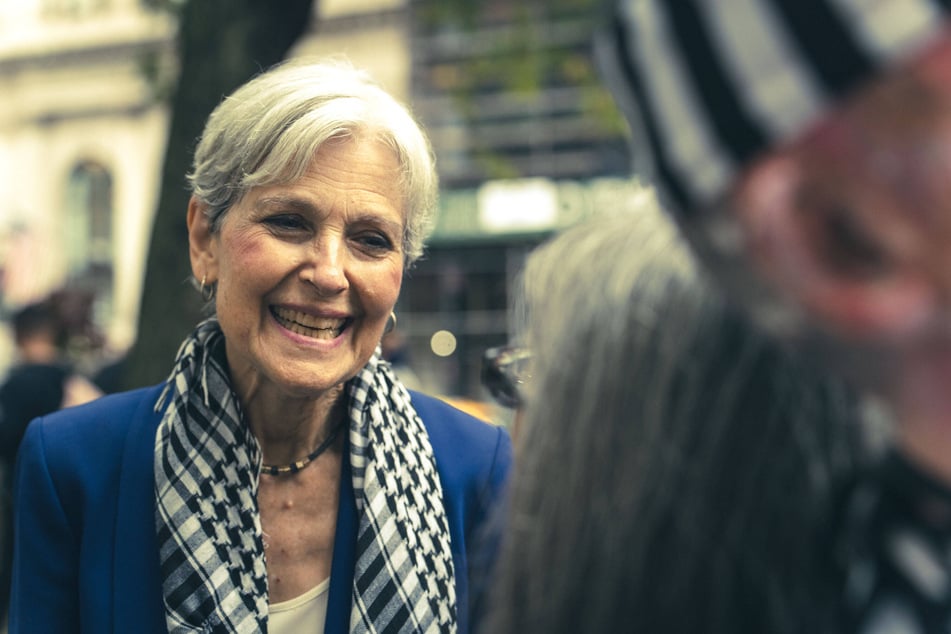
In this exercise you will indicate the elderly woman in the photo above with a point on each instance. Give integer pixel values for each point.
(281, 479)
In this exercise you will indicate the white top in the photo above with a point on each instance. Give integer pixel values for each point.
(306, 613)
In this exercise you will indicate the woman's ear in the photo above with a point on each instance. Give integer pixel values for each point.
(827, 257)
(202, 245)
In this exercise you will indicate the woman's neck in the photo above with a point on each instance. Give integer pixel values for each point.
(288, 428)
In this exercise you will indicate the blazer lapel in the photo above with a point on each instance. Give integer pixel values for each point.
(137, 594)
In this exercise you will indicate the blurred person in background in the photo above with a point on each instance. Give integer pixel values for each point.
(675, 466)
(805, 148)
(42, 380)
(110, 376)
(282, 479)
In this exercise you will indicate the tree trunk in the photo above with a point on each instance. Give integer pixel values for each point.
(222, 44)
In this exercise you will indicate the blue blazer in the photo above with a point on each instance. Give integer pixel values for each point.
(86, 558)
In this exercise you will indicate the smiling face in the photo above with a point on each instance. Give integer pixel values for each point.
(308, 272)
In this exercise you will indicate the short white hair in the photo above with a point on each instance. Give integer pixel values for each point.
(268, 131)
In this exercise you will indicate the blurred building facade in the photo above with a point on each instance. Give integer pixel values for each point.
(526, 141)
(82, 131)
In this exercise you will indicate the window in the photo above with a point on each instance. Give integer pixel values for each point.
(88, 235)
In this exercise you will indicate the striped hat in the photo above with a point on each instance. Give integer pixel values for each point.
(712, 84)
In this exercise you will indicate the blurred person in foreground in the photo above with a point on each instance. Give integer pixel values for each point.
(42, 380)
(674, 464)
(805, 148)
(281, 479)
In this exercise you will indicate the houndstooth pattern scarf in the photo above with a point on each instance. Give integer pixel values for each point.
(207, 465)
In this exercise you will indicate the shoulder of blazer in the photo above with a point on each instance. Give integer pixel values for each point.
(89, 440)
(465, 447)
(86, 475)
(103, 421)
(442, 419)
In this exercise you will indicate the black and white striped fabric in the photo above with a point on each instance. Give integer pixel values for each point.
(207, 465)
(894, 549)
(712, 84)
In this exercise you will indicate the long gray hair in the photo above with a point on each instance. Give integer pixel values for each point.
(269, 129)
(675, 465)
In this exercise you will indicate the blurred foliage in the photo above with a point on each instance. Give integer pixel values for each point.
(520, 50)
(516, 51)
(159, 75)
(154, 67)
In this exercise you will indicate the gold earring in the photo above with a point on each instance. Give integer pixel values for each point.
(207, 292)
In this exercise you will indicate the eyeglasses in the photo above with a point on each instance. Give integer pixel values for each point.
(504, 370)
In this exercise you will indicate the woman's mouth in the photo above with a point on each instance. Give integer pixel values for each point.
(308, 325)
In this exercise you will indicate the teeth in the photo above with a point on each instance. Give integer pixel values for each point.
(308, 325)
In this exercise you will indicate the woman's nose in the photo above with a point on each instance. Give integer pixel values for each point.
(325, 266)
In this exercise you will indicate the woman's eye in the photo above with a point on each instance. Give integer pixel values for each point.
(375, 241)
(285, 223)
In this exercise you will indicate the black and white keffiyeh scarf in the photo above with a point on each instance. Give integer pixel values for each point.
(207, 466)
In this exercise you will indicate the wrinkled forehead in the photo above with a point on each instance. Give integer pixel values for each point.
(713, 86)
